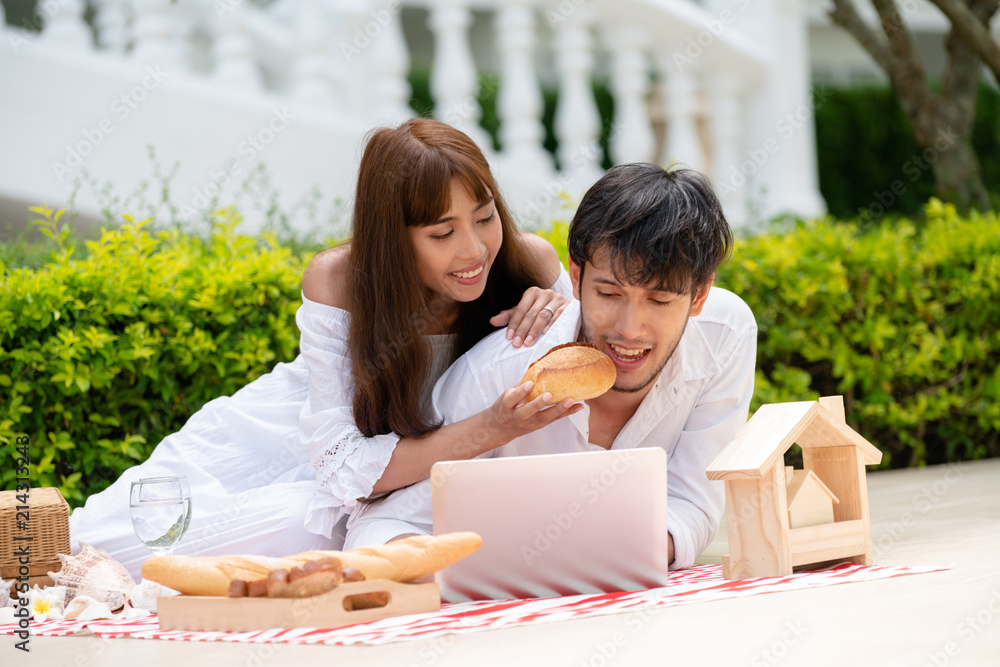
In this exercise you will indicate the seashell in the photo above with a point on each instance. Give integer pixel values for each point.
(145, 594)
(86, 608)
(95, 573)
(5, 599)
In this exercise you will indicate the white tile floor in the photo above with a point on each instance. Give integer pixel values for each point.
(943, 515)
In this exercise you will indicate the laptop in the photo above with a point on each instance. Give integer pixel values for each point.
(556, 524)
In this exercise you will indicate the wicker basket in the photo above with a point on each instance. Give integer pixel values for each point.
(48, 528)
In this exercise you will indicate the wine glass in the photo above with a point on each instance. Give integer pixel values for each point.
(161, 511)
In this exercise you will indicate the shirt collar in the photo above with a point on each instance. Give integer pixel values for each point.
(694, 353)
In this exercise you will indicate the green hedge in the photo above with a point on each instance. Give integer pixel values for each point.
(102, 357)
(904, 321)
(859, 159)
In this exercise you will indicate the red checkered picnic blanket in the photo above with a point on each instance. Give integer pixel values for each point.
(697, 584)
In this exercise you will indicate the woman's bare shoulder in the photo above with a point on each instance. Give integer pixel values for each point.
(325, 279)
(544, 257)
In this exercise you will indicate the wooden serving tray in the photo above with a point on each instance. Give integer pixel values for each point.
(203, 612)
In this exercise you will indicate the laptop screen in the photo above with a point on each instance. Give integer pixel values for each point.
(552, 525)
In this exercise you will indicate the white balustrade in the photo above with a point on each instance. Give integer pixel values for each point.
(349, 58)
(632, 137)
(454, 79)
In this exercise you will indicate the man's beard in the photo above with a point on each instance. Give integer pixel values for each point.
(587, 338)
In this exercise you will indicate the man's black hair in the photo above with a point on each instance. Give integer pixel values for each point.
(660, 229)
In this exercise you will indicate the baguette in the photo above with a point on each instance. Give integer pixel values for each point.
(311, 572)
(212, 575)
(575, 370)
(407, 559)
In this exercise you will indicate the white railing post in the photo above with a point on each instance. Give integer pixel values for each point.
(680, 108)
(519, 100)
(352, 67)
(311, 72)
(110, 23)
(65, 27)
(725, 113)
(152, 32)
(577, 119)
(389, 64)
(454, 79)
(632, 138)
(232, 51)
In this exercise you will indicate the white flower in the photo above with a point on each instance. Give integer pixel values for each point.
(45, 604)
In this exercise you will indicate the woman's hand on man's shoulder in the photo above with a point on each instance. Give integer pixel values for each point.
(325, 279)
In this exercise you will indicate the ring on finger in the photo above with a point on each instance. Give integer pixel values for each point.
(548, 309)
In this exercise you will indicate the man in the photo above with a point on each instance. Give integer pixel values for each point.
(644, 246)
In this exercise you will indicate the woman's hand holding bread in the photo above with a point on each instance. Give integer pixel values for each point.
(566, 374)
(514, 415)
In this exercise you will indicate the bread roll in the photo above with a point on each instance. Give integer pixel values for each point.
(575, 370)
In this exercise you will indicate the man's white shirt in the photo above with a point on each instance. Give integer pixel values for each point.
(697, 405)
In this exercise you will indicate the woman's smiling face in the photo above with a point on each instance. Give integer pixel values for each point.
(454, 253)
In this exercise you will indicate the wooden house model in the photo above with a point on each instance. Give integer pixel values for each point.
(810, 501)
(778, 521)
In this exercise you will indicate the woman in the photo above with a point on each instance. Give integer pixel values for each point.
(433, 255)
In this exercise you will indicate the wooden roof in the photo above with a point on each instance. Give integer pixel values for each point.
(777, 426)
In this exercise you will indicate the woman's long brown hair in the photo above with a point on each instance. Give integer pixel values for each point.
(404, 180)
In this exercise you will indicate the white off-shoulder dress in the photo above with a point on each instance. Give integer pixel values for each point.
(275, 468)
